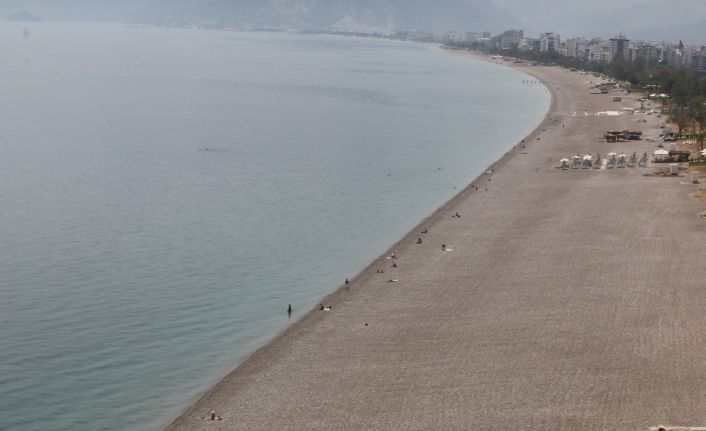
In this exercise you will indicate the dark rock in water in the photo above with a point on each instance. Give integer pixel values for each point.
(23, 16)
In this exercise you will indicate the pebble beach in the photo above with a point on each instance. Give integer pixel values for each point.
(561, 299)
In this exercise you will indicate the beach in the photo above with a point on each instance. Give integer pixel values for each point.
(563, 300)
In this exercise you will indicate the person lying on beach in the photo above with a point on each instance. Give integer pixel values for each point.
(393, 280)
(425, 231)
(324, 308)
(212, 417)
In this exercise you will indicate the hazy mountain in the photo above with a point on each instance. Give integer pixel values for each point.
(637, 19)
(469, 15)
(74, 10)
(22, 15)
(340, 14)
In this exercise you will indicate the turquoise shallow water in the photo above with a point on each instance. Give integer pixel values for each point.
(136, 270)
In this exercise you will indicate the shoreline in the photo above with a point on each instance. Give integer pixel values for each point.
(369, 270)
(557, 308)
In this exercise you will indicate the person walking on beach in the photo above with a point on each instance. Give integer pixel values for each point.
(348, 284)
(289, 310)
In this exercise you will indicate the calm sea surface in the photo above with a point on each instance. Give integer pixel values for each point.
(137, 270)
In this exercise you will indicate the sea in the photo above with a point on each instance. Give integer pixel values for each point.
(165, 194)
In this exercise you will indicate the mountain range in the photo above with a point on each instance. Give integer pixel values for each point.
(348, 15)
(643, 19)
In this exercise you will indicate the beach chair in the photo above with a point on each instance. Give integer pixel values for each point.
(622, 161)
(576, 162)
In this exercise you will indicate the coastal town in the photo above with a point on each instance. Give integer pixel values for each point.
(590, 50)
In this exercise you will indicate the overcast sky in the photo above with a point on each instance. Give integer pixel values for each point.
(645, 19)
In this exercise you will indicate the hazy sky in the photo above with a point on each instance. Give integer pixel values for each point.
(525, 7)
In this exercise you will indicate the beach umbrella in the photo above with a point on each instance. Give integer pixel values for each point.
(564, 160)
(661, 153)
(611, 154)
(587, 157)
(703, 152)
(623, 156)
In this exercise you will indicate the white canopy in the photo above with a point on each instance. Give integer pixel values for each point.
(661, 153)
(564, 160)
(587, 157)
(623, 156)
(611, 154)
(703, 152)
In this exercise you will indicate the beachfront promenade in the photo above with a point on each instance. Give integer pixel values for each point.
(570, 300)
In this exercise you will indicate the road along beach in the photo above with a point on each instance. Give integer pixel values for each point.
(564, 299)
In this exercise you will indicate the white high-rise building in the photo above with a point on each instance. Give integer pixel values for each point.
(620, 48)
